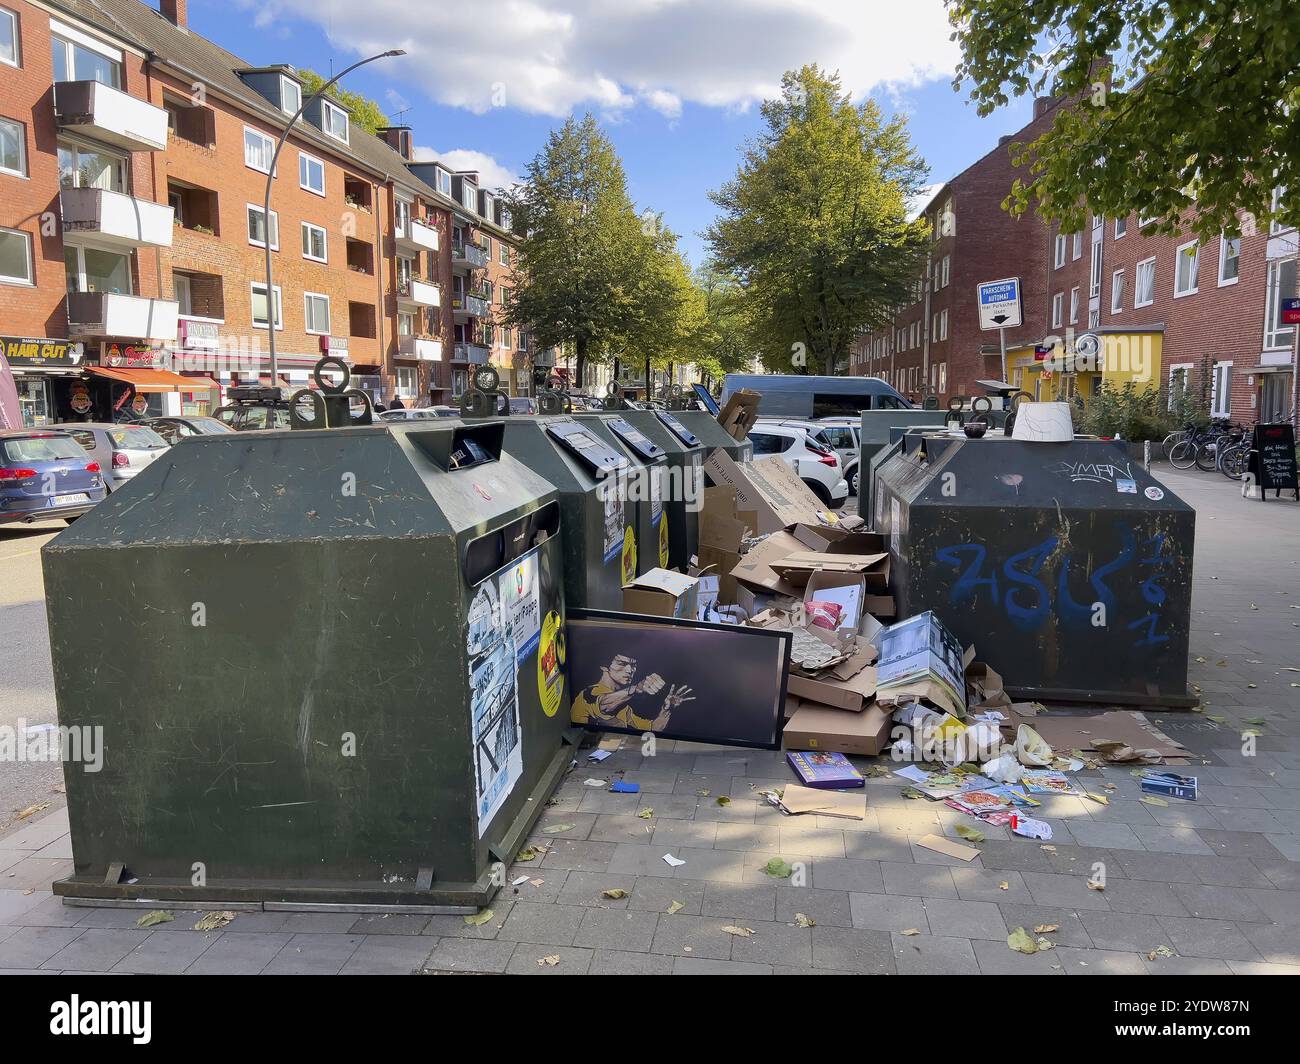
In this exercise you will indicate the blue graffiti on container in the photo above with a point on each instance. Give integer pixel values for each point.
(1028, 595)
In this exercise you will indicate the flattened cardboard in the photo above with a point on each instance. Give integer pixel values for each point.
(1080, 732)
(853, 694)
(839, 539)
(662, 593)
(948, 848)
(798, 799)
(767, 487)
(881, 606)
(755, 568)
(796, 567)
(814, 727)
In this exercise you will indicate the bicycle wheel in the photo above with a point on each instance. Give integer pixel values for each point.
(1232, 464)
(1207, 455)
(1170, 440)
(1183, 454)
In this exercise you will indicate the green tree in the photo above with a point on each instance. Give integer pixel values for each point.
(724, 344)
(366, 113)
(582, 246)
(1197, 117)
(814, 224)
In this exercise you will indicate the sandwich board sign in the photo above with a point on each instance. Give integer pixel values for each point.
(999, 303)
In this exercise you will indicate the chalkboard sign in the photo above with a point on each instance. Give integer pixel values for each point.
(1272, 459)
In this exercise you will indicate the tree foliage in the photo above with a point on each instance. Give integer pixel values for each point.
(1187, 111)
(724, 344)
(366, 113)
(814, 224)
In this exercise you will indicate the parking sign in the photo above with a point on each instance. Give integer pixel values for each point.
(999, 303)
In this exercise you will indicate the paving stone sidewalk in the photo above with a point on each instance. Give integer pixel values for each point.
(1217, 881)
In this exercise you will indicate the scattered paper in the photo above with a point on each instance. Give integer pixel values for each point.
(673, 861)
(676, 907)
(599, 755)
(518, 882)
(214, 921)
(595, 783)
(797, 800)
(1029, 828)
(740, 932)
(913, 773)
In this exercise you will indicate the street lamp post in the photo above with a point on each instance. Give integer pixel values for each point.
(266, 205)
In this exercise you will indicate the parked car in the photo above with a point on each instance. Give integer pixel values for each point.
(842, 435)
(523, 404)
(121, 450)
(45, 474)
(173, 429)
(250, 408)
(815, 462)
(411, 414)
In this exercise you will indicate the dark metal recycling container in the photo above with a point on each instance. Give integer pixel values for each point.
(704, 426)
(327, 666)
(588, 473)
(645, 485)
(873, 435)
(1066, 564)
(684, 488)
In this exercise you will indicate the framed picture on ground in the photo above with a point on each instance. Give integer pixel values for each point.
(690, 680)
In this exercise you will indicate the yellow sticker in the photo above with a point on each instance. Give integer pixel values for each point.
(629, 555)
(663, 543)
(550, 664)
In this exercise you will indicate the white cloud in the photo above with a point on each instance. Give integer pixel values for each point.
(555, 56)
(492, 174)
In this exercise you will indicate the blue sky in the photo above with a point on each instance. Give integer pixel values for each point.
(675, 83)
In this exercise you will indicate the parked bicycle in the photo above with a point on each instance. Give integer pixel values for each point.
(1184, 453)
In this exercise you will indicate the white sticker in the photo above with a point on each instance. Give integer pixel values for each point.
(494, 704)
(521, 609)
(1154, 494)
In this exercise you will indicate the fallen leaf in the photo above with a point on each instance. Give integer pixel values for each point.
(1216, 718)
(1004, 885)
(724, 800)
(158, 916)
(555, 829)
(1255, 720)
(875, 772)
(740, 932)
(548, 962)
(1020, 941)
(1047, 848)
(969, 834)
(800, 920)
(676, 907)
(1095, 885)
(30, 810)
(908, 792)
(480, 918)
(646, 814)
(1100, 799)
(1044, 945)
(778, 868)
(614, 892)
(1160, 951)
(1250, 731)
(528, 853)
(910, 932)
(214, 921)
(702, 794)
(1046, 929)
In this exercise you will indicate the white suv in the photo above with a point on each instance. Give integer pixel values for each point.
(816, 464)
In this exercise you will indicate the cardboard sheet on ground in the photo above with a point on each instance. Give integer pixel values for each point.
(799, 799)
(1064, 734)
(948, 848)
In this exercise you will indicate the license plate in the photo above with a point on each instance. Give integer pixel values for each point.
(68, 500)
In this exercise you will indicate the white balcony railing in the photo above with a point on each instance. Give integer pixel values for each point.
(421, 293)
(424, 236)
(107, 114)
(116, 218)
(420, 347)
(114, 314)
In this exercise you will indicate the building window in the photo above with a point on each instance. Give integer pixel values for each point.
(1180, 379)
(314, 243)
(80, 57)
(947, 263)
(1186, 263)
(16, 257)
(1094, 317)
(943, 324)
(1221, 390)
(468, 195)
(1121, 227)
(290, 95)
(1281, 285)
(444, 181)
(1078, 247)
(9, 38)
(13, 147)
(408, 382)
(1058, 303)
(334, 121)
(1117, 291)
(316, 313)
(1094, 277)
(1059, 259)
(1074, 306)
(504, 253)
(89, 269)
(1229, 260)
(402, 217)
(259, 149)
(311, 173)
(405, 323)
(259, 306)
(1144, 284)
(257, 227)
(489, 206)
(83, 167)
(1275, 226)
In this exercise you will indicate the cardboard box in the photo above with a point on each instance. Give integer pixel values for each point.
(853, 694)
(920, 658)
(846, 589)
(662, 593)
(755, 568)
(881, 606)
(739, 413)
(840, 539)
(795, 568)
(818, 728)
(769, 488)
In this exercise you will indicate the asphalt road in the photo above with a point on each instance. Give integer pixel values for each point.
(26, 683)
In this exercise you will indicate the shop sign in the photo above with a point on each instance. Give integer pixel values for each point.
(79, 398)
(132, 356)
(198, 335)
(40, 353)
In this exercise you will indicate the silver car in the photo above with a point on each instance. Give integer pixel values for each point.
(121, 450)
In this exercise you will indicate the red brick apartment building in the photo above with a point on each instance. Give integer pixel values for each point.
(133, 162)
(1168, 310)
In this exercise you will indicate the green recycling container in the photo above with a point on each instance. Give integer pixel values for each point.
(326, 666)
(704, 426)
(683, 489)
(645, 485)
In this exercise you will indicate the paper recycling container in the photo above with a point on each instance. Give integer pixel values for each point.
(1066, 564)
(589, 474)
(645, 485)
(874, 434)
(684, 486)
(704, 426)
(326, 665)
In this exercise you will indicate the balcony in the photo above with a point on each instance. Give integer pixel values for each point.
(468, 256)
(545, 357)
(421, 347)
(114, 218)
(476, 354)
(114, 314)
(418, 237)
(418, 293)
(467, 306)
(107, 115)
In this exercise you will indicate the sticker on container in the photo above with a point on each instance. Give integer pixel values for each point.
(1154, 494)
(612, 495)
(521, 609)
(494, 704)
(1126, 487)
(663, 543)
(895, 526)
(629, 555)
(550, 664)
(653, 474)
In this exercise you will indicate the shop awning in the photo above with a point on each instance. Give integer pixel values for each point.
(155, 380)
